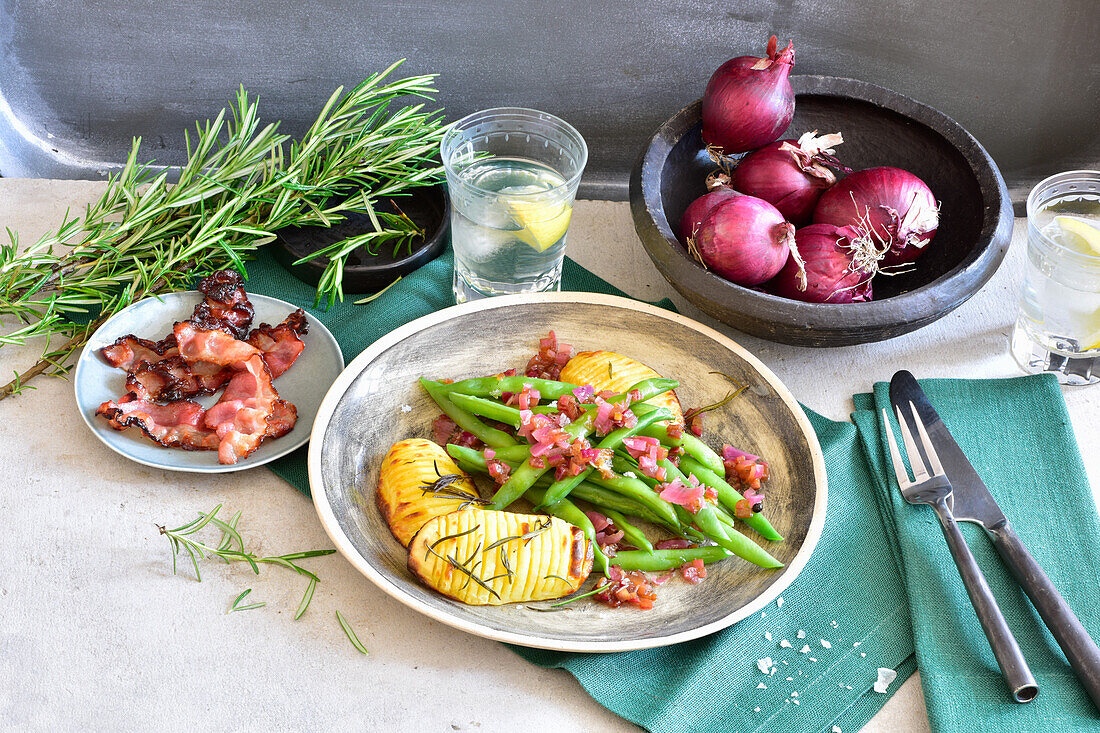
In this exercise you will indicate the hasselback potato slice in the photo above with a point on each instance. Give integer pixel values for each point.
(418, 481)
(618, 373)
(485, 557)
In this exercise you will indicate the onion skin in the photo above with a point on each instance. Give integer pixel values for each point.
(745, 240)
(772, 173)
(748, 101)
(700, 208)
(889, 205)
(829, 274)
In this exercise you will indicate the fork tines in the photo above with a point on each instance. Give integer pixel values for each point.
(916, 461)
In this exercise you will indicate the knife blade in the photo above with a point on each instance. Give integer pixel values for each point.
(974, 503)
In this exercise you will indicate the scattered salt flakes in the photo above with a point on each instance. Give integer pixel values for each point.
(779, 602)
(761, 686)
(406, 408)
(796, 702)
(790, 679)
(836, 729)
(847, 687)
(630, 474)
(834, 624)
(805, 648)
(794, 694)
(763, 614)
(801, 634)
(826, 644)
(885, 677)
(856, 643)
(812, 659)
(800, 673)
(774, 670)
(785, 644)
(863, 654)
(768, 635)
(786, 662)
(764, 665)
(756, 710)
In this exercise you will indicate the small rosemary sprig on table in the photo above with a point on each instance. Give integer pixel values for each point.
(243, 180)
(230, 548)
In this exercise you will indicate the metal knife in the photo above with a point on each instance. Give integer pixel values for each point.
(974, 503)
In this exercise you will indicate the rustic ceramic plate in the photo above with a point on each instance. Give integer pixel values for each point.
(376, 401)
(95, 381)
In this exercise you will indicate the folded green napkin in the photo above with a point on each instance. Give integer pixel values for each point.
(850, 594)
(1019, 438)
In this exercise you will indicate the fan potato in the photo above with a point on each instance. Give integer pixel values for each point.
(486, 557)
(618, 373)
(410, 491)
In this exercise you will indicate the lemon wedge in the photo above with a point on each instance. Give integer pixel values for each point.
(1088, 233)
(543, 223)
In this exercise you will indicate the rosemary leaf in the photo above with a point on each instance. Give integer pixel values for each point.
(306, 598)
(351, 634)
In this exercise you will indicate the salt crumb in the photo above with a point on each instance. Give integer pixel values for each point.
(836, 729)
(885, 677)
(834, 624)
(863, 654)
(801, 634)
(768, 635)
(856, 643)
(630, 474)
(826, 644)
(764, 664)
(785, 644)
(406, 408)
(795, 702)
(779, 602)
(794, 694)
(805, 648)
(800, 673)
(763, 614)
(756, 710)
(786, 662)
(812, 659)
(774, 670)
(790, 679)
(847, 687)
(761, 686)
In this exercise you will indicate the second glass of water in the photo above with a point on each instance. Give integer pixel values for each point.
(512, 175)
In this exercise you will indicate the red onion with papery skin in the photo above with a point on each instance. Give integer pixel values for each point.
(834, 273)
(745, 240)
(790, 174)
(893, 210)
(749, 102)
(718, 191)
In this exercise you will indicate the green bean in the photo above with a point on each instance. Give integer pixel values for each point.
(561, 488)
(631, 534)
(571, 513)
(525, 474)
(466, 420)
(606, 499)
(702, 453)
(495, 386)
(669, 559)
(729, 496)
(650, 388)
(660, 432)
(486, 408)
(639, 491)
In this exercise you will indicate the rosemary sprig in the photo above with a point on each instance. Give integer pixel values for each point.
(182, 541)
(243, 180)
(351, 634)
(249, 607)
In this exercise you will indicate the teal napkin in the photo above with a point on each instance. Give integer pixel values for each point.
(850, 594)
(1019, 438)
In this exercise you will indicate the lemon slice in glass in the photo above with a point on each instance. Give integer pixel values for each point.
(1083, 230)
(542, 223)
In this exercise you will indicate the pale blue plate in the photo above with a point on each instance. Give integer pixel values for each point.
(304, 384)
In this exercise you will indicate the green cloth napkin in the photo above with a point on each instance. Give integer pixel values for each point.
(709, 684)
(1018, 436)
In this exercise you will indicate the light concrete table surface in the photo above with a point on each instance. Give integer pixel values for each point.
(97, 633)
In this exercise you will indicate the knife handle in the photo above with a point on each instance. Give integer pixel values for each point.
(1079, 648)
(1014, 667)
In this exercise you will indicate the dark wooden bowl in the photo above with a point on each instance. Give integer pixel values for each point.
(880, 127)
(364, 272)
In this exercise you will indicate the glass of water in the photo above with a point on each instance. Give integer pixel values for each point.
(512, 175)
(1058, 329)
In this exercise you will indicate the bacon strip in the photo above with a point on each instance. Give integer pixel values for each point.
(128, 351)
(226, 306)
(281, 344)
(178, 425)
(174, 379)
(210, 345)
(240, 418)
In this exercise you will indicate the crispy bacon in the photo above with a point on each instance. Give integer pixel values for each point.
(174, 379)
(240, 418)
(128, 351)
(178, 425)
(211, 345)
(281, 344)
(282, 419)
(226, 306)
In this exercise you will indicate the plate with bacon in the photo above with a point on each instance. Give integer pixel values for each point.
(206, 381)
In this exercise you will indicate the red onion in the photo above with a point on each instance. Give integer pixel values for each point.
(749, 102)
(701, 207)
(891, 208)
(745, 240)
(835, 272)
(791, 175)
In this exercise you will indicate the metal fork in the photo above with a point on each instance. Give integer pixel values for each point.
(931, 486)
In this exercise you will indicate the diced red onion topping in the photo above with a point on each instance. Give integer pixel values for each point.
(690, 496)
(549, 360)
(694, 572)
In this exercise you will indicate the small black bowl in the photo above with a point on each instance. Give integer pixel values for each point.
(364, 272)
(880, 127)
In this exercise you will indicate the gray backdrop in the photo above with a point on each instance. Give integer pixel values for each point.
(79, 79)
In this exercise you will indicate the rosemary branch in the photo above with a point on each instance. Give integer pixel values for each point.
(243, 181)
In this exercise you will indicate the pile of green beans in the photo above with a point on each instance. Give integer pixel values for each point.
(619, 497)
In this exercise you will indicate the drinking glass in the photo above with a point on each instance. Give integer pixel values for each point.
(1058, 329)
(512, 175)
